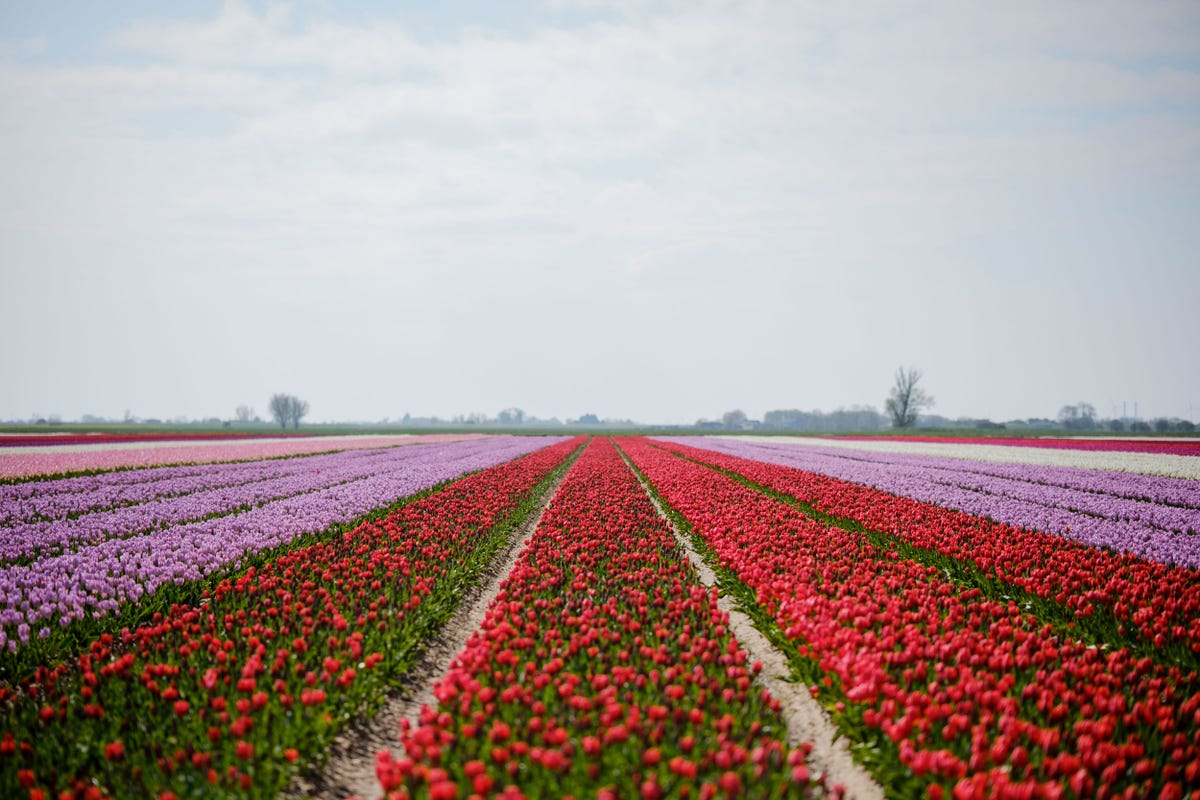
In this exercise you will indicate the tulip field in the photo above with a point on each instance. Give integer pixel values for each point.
(969, 619)
(603, 668)
(26, 456)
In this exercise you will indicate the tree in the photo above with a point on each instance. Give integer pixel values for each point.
(244, 414)
(1080, 417)
(907, 400)
(734, 420)
(511, 416)
(299, 411)
(287, 408)
(281, 408)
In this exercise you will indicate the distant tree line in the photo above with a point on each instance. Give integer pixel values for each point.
(904, 405)
(515, 417)
(854, 418)
(1082, 417)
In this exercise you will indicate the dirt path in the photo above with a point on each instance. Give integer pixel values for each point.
(350, 771)
(805, 719)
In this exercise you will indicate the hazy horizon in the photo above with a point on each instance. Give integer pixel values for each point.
(657, 212)
(486, 419)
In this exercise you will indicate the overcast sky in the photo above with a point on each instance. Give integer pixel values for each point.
(649, 211)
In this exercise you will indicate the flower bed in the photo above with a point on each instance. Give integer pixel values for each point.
(943, 690)
(32, 439)
(1181, 447)
(1154, 517)
(1173, 465)
(602, 669)
(1160, 602)
(67, 520)
(21, 462)
(229, 695)
(42, 600)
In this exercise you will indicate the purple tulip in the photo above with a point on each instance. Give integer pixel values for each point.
(121, 555)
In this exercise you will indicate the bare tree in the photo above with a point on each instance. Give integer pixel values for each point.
(244, 414)
(287, 408)
(280, 407)
(907, 400)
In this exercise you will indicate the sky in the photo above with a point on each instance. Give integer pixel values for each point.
(652, 211)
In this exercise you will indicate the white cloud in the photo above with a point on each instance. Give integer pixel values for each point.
(239, 37)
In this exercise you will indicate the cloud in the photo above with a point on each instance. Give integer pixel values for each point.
(239, 37)
(812, 149)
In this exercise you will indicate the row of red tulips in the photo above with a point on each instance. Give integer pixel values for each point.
(1159, 604)
(231, 695)
(603, 669)
(945, 691)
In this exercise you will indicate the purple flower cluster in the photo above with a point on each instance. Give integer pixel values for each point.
(49, 499)
(96, 578)
(1153, 517)
(88, 516)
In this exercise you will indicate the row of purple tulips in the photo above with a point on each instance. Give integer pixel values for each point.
(97, 579)
(50, 498)
(232, 488)
(1094, 507)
